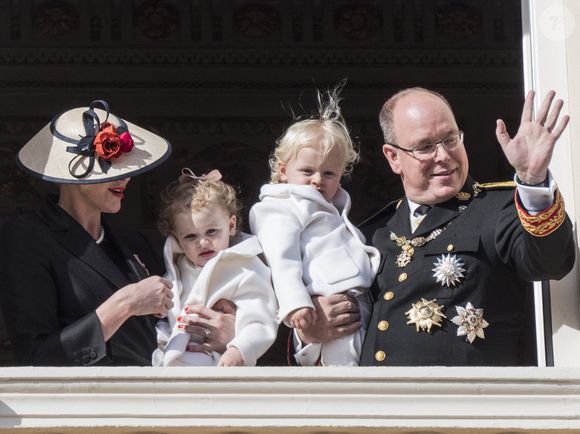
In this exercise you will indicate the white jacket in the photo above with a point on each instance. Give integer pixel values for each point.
(310, 245)
(235, 274)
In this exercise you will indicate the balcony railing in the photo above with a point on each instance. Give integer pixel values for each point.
(290, 400)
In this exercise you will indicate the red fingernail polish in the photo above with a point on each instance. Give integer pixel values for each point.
(186, 309)
(179, 319)
(180, 326)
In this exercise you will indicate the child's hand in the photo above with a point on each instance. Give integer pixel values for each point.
(232, 357)
(302, 318)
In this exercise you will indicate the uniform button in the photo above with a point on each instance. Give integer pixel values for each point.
(380, 356)
(383, 325)
(450, 247)
(402, 277)
(389, 295)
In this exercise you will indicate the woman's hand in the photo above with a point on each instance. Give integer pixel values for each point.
(337, 316)
(214, 327)
(152, 295)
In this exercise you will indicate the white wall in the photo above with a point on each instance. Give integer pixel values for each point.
(552, 61)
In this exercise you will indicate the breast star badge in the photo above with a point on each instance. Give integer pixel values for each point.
(448, 270)
(425, 314)
(470, 321)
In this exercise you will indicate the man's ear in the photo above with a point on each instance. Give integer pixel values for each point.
(392, 157)
(233, 226)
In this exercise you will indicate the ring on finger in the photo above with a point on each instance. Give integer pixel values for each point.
(206, 332)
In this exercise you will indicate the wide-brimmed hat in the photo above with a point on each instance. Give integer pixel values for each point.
(88, 145)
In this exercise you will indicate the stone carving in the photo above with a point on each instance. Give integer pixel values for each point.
(256, 21)
(55, 18)
(246, 126)
(458, 22)
(229, 57)
(358, 21)
(157, 19)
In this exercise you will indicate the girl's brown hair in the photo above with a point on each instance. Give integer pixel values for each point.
(191, 193)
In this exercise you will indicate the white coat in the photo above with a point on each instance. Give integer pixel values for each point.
(310, 244)
(235, 274)
(314, 249)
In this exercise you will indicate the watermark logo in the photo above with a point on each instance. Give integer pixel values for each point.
(557, 23)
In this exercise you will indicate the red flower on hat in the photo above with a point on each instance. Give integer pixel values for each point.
(126, 142)
(109, 145)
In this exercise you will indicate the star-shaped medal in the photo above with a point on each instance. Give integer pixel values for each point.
(448, 270)
(424, 314)
(470, 321)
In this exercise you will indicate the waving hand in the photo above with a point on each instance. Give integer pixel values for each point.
(530, 150)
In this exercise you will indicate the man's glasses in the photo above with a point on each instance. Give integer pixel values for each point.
(426, 152)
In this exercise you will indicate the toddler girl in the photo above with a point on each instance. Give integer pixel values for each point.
(207, 259)
(302, 223)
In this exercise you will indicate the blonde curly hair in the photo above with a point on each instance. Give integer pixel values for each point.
(190, 195)
(328, 129)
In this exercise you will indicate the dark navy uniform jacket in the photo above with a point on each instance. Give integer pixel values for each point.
(483, 234)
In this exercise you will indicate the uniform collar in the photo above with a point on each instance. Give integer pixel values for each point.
(441, 213)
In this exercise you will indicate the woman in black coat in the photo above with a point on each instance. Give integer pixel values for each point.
(73, 291)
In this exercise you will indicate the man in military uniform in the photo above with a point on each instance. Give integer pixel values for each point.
(457, 256)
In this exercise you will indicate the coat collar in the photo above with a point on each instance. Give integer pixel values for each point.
(340, 202)
(72, 236)
(400, 223)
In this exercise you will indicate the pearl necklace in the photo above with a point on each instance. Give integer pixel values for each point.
(101, 237)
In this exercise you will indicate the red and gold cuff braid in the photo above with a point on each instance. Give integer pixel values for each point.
(547, 221)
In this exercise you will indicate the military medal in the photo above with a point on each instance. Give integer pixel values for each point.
(408, 246)
(448, 270)
(407, 252)
(477, 188)
(470, 321)
(141, 263)
(424, 314)
(463, 195)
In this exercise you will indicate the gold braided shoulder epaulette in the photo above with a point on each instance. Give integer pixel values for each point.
(501, 185)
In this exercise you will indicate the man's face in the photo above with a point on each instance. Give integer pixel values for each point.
(420, 118)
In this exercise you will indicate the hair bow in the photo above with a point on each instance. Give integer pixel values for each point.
(187, 175)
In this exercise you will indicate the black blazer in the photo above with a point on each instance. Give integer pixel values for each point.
(53, 276)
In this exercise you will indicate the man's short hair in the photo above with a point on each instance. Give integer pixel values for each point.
(386, 114)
